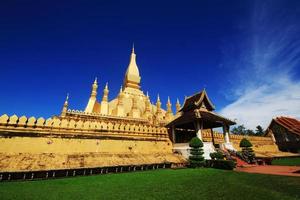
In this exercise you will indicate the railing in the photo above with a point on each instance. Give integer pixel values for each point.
(63, 173)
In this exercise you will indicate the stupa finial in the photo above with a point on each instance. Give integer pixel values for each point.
(132, 48)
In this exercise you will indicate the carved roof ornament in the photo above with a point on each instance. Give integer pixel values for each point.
(197, 113)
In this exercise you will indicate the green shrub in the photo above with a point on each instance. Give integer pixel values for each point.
(195, 143)
(245, 143)
(223, 164)
(247, 153)
(196, 158)
(217, 155)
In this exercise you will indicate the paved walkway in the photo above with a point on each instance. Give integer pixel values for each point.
(271, 169)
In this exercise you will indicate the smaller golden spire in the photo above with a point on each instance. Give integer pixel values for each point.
(105, 93)
(158, 105)
(177, 106)
(121, 96)
(169, 106)
(65, 107)
(158, 99)
(94, 88)
(67, 100)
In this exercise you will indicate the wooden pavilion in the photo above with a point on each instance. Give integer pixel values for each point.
(197, 114)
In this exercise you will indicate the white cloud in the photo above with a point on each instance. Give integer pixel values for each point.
(258, 106)
(264, 86)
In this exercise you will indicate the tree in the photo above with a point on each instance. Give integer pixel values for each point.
(249, 132)
(196, 158)
(247, 151)
(239, 130)
(259, 131)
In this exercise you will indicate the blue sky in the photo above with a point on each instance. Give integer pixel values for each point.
(245, 53)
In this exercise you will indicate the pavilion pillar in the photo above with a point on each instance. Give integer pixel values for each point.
(173, 134)
(226, 133)
(199, 127)
(212, 136)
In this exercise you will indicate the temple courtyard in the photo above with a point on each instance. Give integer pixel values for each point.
(202, 183)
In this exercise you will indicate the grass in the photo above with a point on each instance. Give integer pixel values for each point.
(287, 162)
(160, 184)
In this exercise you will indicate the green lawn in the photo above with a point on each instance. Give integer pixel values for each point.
(287, 162)
(160, 184)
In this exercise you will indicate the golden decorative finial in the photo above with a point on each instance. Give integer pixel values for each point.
(169, 100)
(95, 82)
(132, 48)
(158, 99)
(106, 86)
(65, 107)
(67, 98)
(121, 89)
(178, 106)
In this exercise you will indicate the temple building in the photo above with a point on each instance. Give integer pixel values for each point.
(130, 104)
(286, 133)
(126, 130)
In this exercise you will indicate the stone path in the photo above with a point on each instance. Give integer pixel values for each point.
(271, 169)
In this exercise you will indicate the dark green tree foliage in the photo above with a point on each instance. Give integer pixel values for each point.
(259, 131)
(217, 155)
(247, 153)
(196, 158)
(245, 143)
(241, 130)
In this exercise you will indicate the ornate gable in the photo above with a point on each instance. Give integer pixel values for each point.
(197, 101)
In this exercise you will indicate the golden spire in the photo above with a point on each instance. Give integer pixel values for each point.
(65, 107)
(67, 100)
(132, 51)
(105, 93)
(120, 97)
(104, 103)
(91, 103)
(169, 106)
(148, 103)
(158, 105)
(158, 99)
(94, 88)
(169, 113)
(177, 106)
(132, 77)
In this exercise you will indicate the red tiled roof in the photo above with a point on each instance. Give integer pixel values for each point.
(291, 124)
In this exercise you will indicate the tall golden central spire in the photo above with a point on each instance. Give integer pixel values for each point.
(132, 77)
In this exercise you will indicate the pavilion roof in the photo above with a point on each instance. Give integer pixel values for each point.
(196, 101)
(210, 119)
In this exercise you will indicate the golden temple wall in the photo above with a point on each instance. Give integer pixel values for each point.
(260, 144)
(68, 145)
(35, 144)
